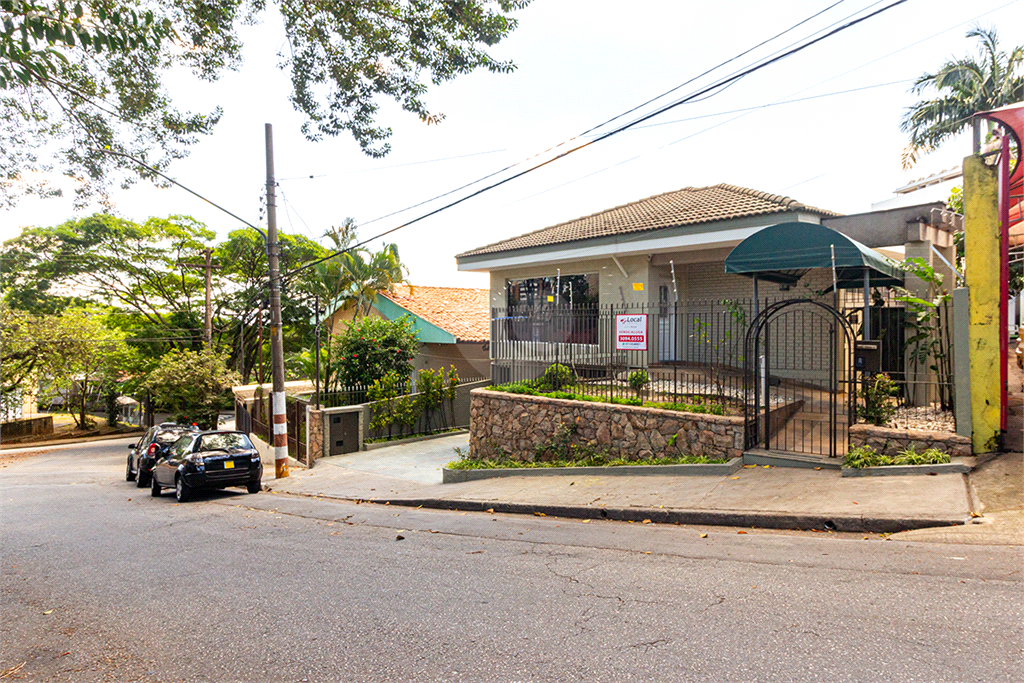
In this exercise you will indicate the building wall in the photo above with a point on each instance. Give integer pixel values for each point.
(471, 359)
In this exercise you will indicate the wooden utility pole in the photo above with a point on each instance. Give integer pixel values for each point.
(280, 420)
(207, 266)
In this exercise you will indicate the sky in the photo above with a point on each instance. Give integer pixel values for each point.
(579, 63)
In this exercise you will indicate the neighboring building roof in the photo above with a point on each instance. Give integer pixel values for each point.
(462, 312)
(688, 206)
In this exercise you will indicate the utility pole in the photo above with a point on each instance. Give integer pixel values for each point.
(209, 268)
(280, 420)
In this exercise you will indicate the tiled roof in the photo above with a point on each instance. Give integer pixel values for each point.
(688, 206)
(465, 313)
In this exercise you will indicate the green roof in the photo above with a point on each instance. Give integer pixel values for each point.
(784, 252)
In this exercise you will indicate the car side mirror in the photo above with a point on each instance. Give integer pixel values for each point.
(132, 446)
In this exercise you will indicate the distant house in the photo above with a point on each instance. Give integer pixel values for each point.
(452, 324)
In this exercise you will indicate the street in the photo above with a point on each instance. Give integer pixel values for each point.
(102, 582)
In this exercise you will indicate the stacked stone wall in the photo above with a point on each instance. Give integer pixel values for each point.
(892, 441)
(504, 425)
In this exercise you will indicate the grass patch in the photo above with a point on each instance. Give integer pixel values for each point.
(525, 388)
(866, 456)
(382, 439)
(597, 460)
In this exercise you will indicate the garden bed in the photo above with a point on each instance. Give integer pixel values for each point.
(489, 469)
(889, 441)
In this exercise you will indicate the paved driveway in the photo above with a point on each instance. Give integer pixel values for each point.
(421, 461)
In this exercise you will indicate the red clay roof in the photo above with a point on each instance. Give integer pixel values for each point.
(688, 206)
(463, 312)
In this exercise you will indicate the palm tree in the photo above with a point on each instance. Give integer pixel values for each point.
(370, 273)
(966, 86)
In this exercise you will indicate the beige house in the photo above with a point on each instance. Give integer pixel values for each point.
(451, 323)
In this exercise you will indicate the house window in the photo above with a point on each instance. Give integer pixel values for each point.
(553, 309)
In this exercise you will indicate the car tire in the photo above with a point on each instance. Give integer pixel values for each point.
(253, 487)
(128, 476)
(141, 479)
(154, 488)
(182, 491)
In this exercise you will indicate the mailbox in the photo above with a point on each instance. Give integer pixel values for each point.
(867, 356)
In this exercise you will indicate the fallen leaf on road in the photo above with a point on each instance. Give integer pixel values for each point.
(49, 611)
(418, 507)
(586, 521)
(399, 537)
(741, 532)
(129, 499)
(975, 514)
(10, 673)
(817, 468)
(856, 503)
(540, 514)
(474, 552)
(400, 531)
(734, 477)
(648, 552)
(703, 535)
(865, 538)
(747, 467)
(434, 531)
(463, 513)
(490, 510)
(646, 521)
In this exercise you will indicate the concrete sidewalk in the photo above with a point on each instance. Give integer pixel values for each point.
(773, 497)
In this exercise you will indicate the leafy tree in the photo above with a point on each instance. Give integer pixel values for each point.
(68, 355)
(192, 384)
(88, 77)
(370, 348)
(366, 274)
(966, 85)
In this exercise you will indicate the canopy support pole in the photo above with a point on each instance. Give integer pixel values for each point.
(757, 306)
(867, 303)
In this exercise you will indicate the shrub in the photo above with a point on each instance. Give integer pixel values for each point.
(931, 456)
(877, 393)
(866, 456)
(861, 456)
(556, 377)
(638, 379)
(370, 348)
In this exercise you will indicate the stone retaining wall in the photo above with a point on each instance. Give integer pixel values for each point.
(33, 426)
(514, 426)
(891, 441)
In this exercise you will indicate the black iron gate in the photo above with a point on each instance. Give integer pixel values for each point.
(798, 364)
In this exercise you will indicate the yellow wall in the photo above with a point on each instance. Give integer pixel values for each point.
(981, 250)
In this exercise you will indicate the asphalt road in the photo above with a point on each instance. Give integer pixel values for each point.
(102, 582)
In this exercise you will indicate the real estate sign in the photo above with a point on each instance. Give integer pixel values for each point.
(631, 332)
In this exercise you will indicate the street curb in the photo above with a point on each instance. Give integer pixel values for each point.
(704, 470)
(763, 520)
(85, 439)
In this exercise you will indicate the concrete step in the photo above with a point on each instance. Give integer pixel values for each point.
(760, 456)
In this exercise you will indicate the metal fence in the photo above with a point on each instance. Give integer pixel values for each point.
(256, 418)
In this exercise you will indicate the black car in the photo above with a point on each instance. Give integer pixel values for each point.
(208, 460)
(150, 448)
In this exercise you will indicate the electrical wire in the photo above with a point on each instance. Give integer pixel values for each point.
(736, 76)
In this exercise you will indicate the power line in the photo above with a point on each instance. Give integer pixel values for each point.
(736, 76)
(384, 168)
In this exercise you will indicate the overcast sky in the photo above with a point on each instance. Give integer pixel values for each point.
(580, 63)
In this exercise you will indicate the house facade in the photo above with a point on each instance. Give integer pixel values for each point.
(451, 324)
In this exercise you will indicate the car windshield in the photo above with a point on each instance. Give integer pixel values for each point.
(224, 442)
(168, 437)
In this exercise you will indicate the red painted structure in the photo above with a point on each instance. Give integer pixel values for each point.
(1011, 193)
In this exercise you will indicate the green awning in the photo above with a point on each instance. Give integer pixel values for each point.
(783, 253)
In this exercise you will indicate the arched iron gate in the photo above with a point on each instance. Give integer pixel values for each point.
(799, 381)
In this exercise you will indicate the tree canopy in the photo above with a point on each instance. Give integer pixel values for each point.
(82, 83)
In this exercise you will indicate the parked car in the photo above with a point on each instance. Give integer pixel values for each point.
(208, 460)
(150, 449)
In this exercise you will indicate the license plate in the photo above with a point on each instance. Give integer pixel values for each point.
(229, 464)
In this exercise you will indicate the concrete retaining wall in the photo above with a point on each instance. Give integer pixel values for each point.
(892, 441)
(34, 426)
(513, 426)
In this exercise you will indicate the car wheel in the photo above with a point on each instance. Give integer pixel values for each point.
(253, 487)
(182, 492)
(128, 476)
(154, 487)
(142, 479)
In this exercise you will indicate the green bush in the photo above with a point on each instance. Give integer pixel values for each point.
(370, 348)
(556, 377)
(638, 379)
(877, 393)
(866, 456)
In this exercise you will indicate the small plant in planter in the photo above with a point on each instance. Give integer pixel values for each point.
(877, 393)
(638, 379)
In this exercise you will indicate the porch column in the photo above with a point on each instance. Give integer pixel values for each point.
(757, 305)
(867, 303)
